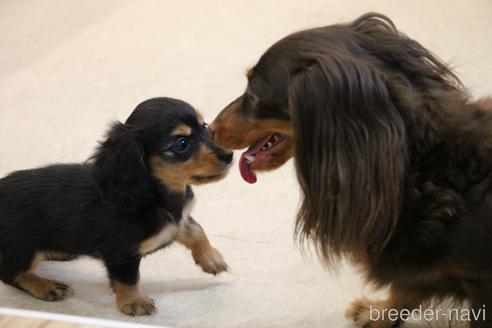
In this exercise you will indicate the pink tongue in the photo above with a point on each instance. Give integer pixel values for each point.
(248, 175)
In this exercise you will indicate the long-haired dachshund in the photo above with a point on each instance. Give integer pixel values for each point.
(393, 158)
(131, 199)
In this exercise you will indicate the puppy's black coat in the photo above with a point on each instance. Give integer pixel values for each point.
(125, 202)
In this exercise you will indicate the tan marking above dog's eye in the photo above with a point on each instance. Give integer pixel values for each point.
(181, 130)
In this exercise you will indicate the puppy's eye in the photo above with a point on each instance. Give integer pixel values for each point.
(181, 145)
(204, 125)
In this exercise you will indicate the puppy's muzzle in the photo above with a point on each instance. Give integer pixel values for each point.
(225, 156)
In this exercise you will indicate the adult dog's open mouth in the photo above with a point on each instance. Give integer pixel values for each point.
(258, 156)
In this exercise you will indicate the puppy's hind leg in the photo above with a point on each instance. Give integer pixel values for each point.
(193, 237)
(17, 270)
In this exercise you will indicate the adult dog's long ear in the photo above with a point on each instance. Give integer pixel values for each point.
(350, 154)
(120, 170)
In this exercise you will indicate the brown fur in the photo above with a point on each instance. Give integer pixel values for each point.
(234, 130)
(393, 158)
(45, 289)
(200, 119)
(131, 302)
(181, 130)
(249, 72)
(193, 237)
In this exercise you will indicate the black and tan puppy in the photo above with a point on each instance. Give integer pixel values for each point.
(131, 199)
(393, 157)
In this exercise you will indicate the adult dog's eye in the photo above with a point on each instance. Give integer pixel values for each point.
(181, 145)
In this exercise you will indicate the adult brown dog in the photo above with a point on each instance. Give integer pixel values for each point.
(393, 158)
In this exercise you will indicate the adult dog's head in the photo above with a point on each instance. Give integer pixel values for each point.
(339, 99)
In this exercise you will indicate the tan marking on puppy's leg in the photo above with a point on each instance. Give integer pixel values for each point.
(181, 130)
(193, 237)
(131, 302)
(38, 258)
(45, 289)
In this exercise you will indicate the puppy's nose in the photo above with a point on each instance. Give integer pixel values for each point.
(225, 156)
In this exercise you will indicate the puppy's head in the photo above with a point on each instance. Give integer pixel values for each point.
(163, 144)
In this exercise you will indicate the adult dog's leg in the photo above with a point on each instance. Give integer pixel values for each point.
(480, 308)
(124, 278)
(480, 294)
(193, 237)
(383, 313)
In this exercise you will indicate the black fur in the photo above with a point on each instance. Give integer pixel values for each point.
(106, 207)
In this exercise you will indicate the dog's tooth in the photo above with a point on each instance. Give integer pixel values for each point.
(250, 158)
(269, 144)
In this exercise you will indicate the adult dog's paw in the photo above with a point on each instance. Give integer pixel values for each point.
(368, 314)
(440, 203)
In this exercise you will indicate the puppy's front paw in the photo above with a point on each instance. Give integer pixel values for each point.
(368, 314)
(141, 305)
(210, 260)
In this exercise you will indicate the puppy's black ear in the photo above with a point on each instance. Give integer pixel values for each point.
(350, 155)
(120, 170)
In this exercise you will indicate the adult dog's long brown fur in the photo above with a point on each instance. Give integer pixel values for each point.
(393, 158)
